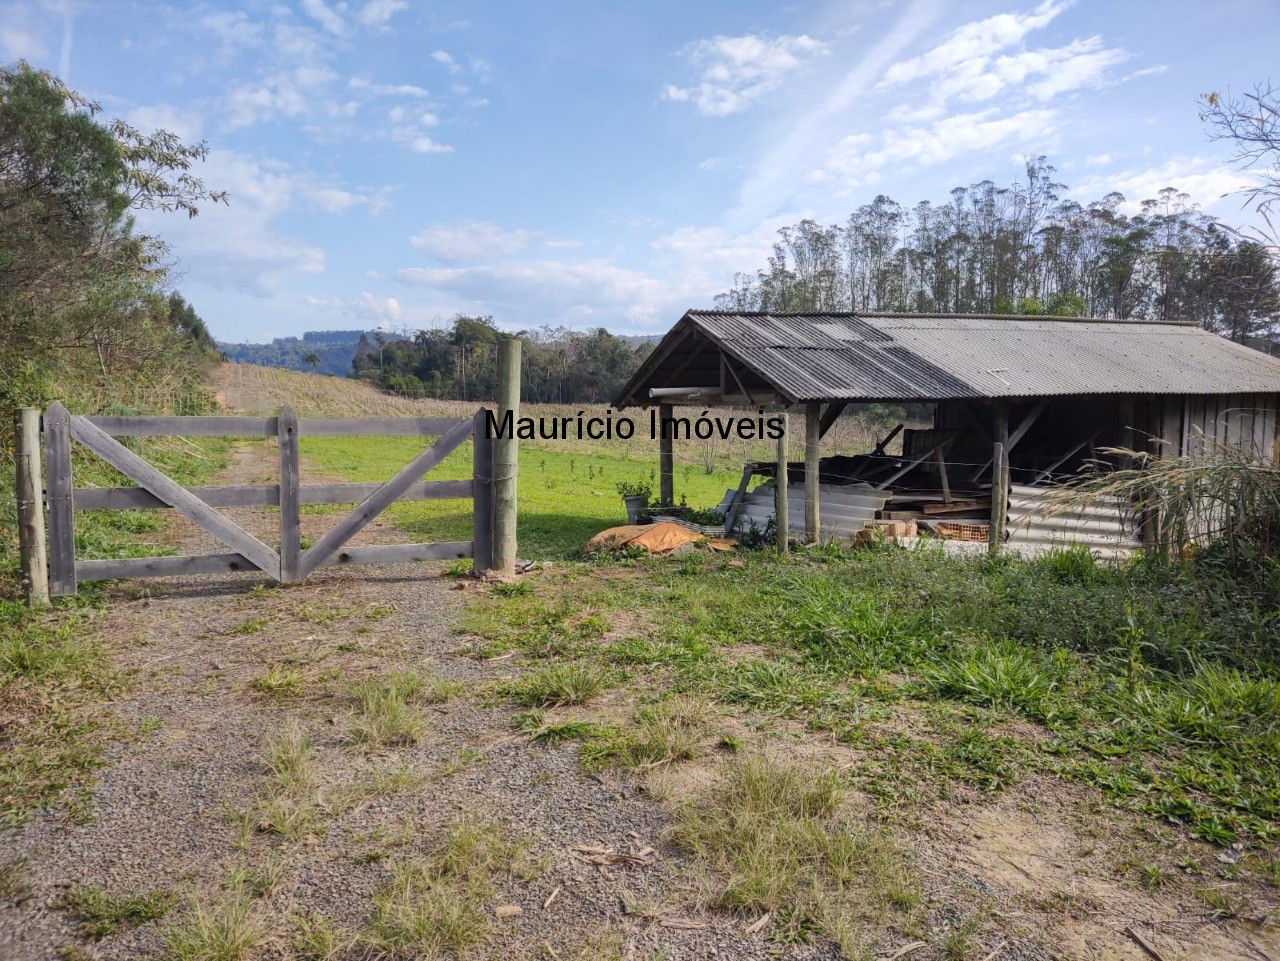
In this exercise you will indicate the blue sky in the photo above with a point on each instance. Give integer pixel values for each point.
(392, 162)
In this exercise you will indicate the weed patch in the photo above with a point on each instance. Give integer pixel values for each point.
(231, 929)
(102, 915)
(773, 839)
(557, 685)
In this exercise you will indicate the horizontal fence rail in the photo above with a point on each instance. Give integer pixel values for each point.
(263, 495)
(201, 505)
(177, 426)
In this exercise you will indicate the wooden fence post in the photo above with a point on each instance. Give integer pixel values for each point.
(58, 484)
(481, 493)
(290, 497)
(812, 478)
(999, 500)
(666, 456)
(781, 506)
(506, 460)
(30, 490)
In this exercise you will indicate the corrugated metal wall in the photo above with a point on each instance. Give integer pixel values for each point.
(1238, 420)
(842, 511)
(1038, 525)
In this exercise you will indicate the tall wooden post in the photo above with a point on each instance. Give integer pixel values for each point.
(812, 456)
(481, 493)
(58, 486)
(506, 458)
(999, 475)
(781, 506)
(30, 490)
(666, 456)
(995, 531)
(290, 497)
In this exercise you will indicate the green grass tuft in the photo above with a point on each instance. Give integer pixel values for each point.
(103, 915)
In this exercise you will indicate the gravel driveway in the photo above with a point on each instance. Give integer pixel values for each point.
(221, 666)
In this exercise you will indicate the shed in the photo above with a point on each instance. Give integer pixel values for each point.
(1020, 403)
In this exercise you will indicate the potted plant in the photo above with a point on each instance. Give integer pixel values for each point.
(635, 496)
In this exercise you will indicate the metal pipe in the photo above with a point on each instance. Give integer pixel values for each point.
(683, 392)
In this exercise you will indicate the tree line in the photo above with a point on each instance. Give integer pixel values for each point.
(84, 296)
(1023, 249)
(459, 361)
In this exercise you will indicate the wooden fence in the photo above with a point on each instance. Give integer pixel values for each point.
(200, 505)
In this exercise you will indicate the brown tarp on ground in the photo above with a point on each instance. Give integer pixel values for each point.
(654, 538)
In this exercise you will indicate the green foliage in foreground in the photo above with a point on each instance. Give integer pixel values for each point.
(48, 744)
(51, 665)
(1159, 685)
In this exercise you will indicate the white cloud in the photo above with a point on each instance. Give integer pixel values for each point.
(1042, 73)
(300, 43)
(737, 71)
(186, 123)
(324, 15)
(446, 60)
(855, 161)
(25, 32)
(378, 13)
(381, 312)
(977, 40)
(387, 89)
(686, 268)
(428, 145)
(1208, 182)
(471, 241)
(234, 30)
(800, 136)
(289, 94)
(237, 246)
(565, 291)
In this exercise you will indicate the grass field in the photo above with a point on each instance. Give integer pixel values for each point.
(565, 497)
(938, 679)
(567, 488)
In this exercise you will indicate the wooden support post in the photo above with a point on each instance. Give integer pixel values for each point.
(30, 490)
(812, 454)
(666, 456)
(58, 486)
(506, 460)
(735, 508)
(999, 475)
(780, 482)
(482, 493)
(831, 415)
(995, 532)
(290, 497)
(941, 458)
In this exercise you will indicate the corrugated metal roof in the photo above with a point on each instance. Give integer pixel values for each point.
(848, 357)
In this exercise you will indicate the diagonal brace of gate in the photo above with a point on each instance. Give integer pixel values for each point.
(183, 501)
(382, 498)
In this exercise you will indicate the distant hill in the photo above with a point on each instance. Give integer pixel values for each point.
(335, 348)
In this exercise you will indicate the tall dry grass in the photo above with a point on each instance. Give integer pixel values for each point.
(1222, 494)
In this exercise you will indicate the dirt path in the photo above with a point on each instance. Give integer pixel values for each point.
(221, 666)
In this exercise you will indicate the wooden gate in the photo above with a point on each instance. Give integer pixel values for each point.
(200, 504)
